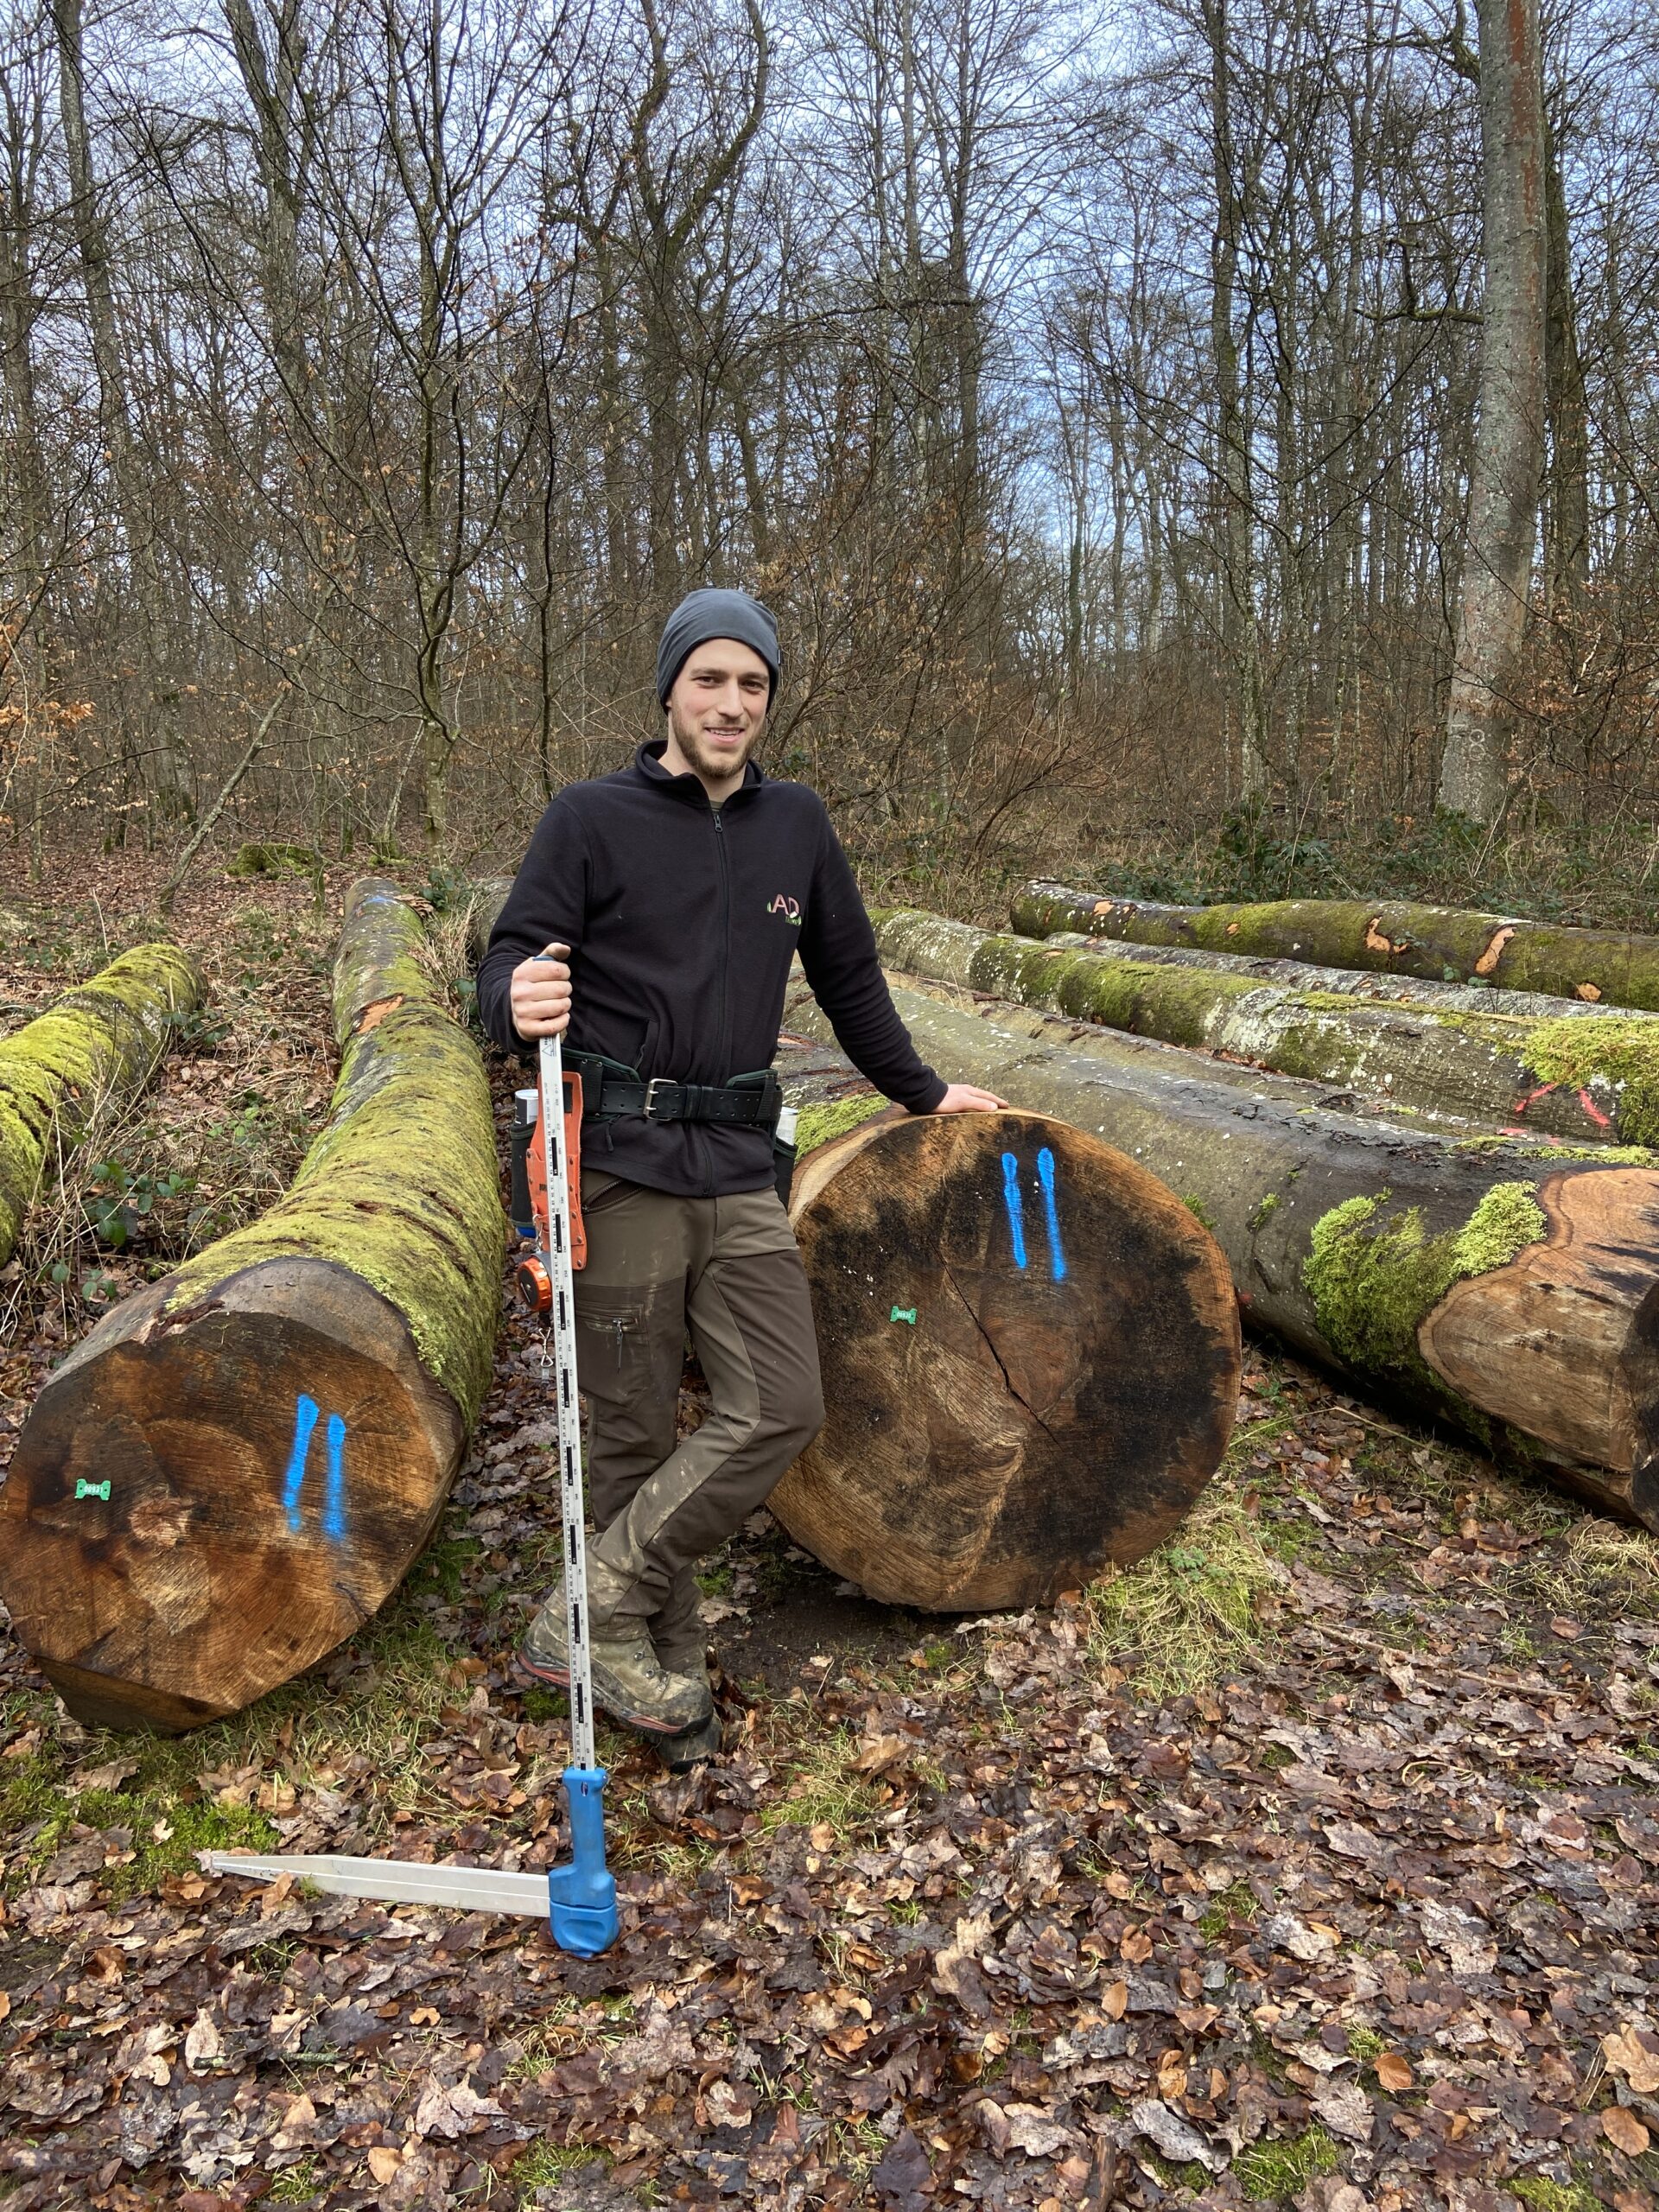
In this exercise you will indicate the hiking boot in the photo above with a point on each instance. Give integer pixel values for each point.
(630, 1682)
(679, 1754)
(691, 1660)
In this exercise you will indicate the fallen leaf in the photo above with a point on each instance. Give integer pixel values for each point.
(1345, 2109)
(1116, 2001)
(1637, 2058)
(384, 2162)
(1625, 2131)
(1394, 2071)
(425, 2016)
(203, 2045)
(1176, 2138)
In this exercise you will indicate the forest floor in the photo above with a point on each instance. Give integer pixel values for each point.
(1313, 1861)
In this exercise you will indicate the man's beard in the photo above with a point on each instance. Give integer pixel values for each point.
(689, 738)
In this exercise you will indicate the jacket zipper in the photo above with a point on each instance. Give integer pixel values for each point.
(722, 1046)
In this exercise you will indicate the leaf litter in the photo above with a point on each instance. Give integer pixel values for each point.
(1311, 1862)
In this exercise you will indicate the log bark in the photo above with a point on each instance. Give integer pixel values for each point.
(97, 1044)
(1496, 1067)
(1030, 1349)
(235, 1468)
(1389, 936)
(1505, 1286)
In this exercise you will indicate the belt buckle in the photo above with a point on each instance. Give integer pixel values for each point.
(657, 1083)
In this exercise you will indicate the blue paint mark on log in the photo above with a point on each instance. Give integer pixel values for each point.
(334, 1508)
(305, 1419)
(1046, 1177)
(1015, 1206)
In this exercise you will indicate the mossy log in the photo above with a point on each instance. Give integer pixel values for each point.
(275, 860)
(100, 1043)
(236, 1467)
(489, 896)
(1507, 1286)
(1395, 937)
(1030, 1349)
(1587, 1075)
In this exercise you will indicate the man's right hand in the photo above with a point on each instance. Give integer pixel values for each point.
(540, 994)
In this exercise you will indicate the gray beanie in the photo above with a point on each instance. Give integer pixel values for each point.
(707, 613)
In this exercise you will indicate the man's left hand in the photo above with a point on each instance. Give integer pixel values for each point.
(963, 1098)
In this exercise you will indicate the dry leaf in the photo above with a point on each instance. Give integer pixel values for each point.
(1394, 2071)
(1625, 2131)
(1115, 2002)
(203, 2045)
(1628, 2055)
(424, 2016)
(384, 2162)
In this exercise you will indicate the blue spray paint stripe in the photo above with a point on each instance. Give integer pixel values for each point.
(334, 1504)
(305, 1419)
(1046, 1177)
(1015, 1206)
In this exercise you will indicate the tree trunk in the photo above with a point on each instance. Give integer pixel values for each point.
(1501, 1286)
(1493, 1065)
(1566, 505)
(168, 764)
(1240, 637)
(1392, 936)
(1030, 1349)
(237, 1466)
(1507, 467)
(103, 1041)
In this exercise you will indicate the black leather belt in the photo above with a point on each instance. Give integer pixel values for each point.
(610, 1091)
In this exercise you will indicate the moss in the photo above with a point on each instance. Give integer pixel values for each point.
(836, 1117)
(1620, 1051)
(1286, 2167)
(275, 860)
(105, 1039)
(1546, 2195)
(1259, 1219)
(1373, 1277)
(400, 1186)
(1199, 1210)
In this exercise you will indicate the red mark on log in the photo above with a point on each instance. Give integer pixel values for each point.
(1602, 1121)
(1532, 1097)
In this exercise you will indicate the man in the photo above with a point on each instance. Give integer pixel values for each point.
(656, 916)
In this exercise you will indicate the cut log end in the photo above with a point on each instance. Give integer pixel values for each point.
(205, 1502)
(1030, 1353)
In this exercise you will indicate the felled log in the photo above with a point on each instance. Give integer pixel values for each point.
(1610, 967)
(489, 896)
(1504, 1285)
(103, 1041)
(1584, 1074)
(1030, 1349)
(235, 1468)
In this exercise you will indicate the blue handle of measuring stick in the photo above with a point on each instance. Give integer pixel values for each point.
(581, 1896)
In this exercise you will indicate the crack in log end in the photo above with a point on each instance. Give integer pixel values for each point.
(375, 1012)
(1013, 1389)
(1494, 952)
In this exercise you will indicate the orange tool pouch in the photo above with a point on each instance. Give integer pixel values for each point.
(537, 1167)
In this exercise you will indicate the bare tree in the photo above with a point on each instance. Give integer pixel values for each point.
(1507, 466)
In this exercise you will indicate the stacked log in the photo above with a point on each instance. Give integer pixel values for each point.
(98, 1044)
(1030, 1349)
(1395, 937)
(1506, 1284)
(237, 1466)
(1573, 1071)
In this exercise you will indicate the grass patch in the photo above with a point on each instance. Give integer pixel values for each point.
(1179, 1619)
(1237, 1903)
(1270, 2171)
(295, 2185)
(544, 2165)
(825, 1788)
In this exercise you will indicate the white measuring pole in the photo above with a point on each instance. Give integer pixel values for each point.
(563, 1317)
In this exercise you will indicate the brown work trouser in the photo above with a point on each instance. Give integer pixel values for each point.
(728, 1269)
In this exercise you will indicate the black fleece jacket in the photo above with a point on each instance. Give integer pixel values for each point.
(681, 919)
